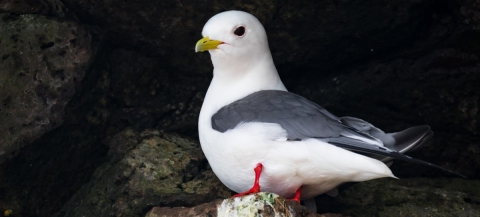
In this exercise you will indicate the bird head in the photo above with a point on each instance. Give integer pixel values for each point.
(236, 41)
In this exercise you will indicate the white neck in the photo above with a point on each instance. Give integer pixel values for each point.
(229, 86)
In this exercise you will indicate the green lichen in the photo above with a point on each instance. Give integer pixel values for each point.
(268, 198)
(258, 205)
(148, 168)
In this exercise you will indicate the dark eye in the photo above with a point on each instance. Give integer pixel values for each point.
(239, 31)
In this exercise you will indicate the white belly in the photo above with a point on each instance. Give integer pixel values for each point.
(287, 165)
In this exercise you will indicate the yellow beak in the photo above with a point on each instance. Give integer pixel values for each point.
(205, 44)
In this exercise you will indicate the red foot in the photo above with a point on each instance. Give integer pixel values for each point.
(297, 195)
(256, 184)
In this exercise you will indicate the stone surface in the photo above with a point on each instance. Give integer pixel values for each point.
(43, 61)
(45, 7)
(322, 35)
(410, 197)
(207, 209)
(261, 204)
(145, 93)
(146, 169)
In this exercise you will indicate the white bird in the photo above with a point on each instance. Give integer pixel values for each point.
(298, 149)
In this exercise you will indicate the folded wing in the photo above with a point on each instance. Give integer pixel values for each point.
(304, 119)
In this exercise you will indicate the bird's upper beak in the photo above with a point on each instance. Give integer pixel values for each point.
(205, 44)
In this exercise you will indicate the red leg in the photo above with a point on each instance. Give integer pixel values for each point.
(297, 195)
(256, 184)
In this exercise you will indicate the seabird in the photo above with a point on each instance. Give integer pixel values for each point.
(296, 148)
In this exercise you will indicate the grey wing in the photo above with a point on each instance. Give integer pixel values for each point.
(360, 147)
(404, 141)
(300, 117)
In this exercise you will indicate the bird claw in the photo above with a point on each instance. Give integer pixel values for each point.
(253, 190)
(297, 195)
(256, 184)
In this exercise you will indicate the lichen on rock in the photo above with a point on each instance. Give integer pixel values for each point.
(146, 169)
(262, 204)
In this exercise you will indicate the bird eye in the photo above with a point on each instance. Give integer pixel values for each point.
(239, 31)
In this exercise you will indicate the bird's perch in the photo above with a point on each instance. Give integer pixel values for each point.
(259, 204)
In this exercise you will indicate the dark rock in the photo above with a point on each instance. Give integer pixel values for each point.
(410, 197)
(145, 92)
(50, 170)
(322, 35)
(23, 6)
(207, 209)
(145, 170)
(45, 7)
(43, 61)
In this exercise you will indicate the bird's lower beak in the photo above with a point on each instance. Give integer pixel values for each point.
(205, 44)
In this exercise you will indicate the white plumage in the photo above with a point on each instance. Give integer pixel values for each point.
(243, 65)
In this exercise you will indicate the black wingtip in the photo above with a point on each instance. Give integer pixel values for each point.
(446, 170)
(425, 163)
(411, 138)
(350, 145)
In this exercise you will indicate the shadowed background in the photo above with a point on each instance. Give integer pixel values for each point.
(106, 95)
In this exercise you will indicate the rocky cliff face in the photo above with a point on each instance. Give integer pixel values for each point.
(92, 92)
(44, 60)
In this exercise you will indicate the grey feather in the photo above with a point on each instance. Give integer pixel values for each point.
(300, 117)
(403, 142)
(372, 149)
(303, 119)
(366, 127)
